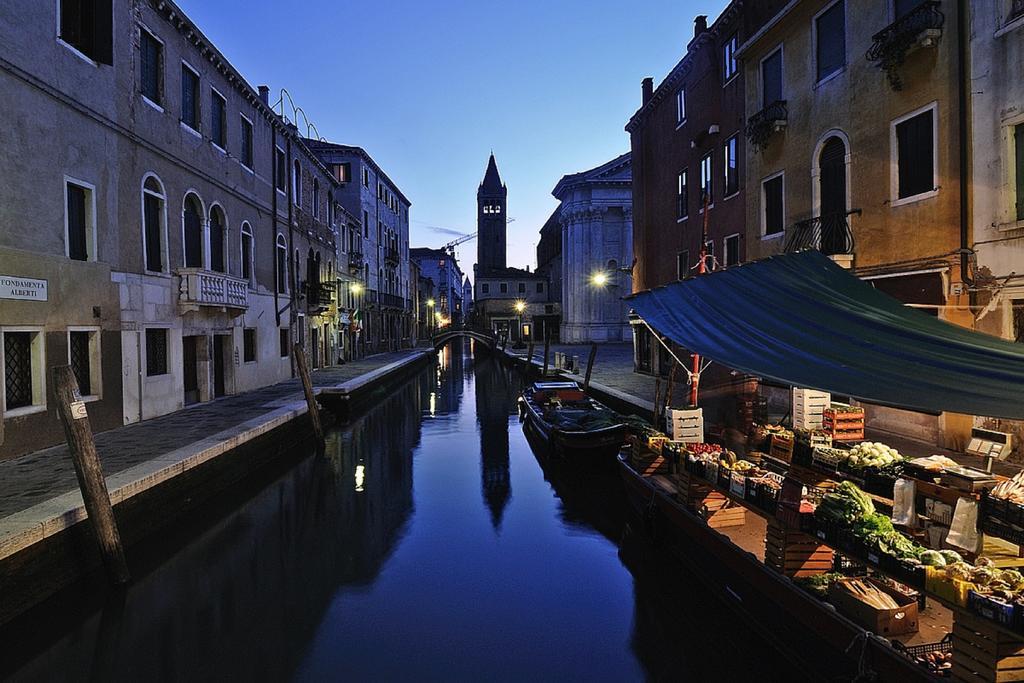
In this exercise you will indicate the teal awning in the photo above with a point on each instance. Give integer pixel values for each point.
(803, 320)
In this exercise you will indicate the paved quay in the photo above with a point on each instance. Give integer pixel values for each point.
(40, 491)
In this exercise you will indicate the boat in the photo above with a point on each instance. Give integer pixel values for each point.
(820, 643)
(571, 425)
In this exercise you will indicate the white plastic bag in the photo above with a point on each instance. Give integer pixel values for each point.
(963, 532)
(903, 510)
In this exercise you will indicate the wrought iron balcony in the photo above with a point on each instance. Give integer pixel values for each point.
(920, 27)
(355, 261)
(830, 234)
(391, 256)
(392, 300)
(201, 287)
(319, 294)
(765, 123)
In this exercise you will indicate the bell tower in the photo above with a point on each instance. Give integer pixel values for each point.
(491, 198)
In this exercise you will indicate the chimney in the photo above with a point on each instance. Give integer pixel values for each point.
(700, 25)
(265, 94)
(647, 86)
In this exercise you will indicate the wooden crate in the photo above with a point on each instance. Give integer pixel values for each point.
(793, 553)
(983, 651)
(718, 511)
(782, 448)
(844, 426)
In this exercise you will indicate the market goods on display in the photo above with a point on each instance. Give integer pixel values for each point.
(866, 592)
(873, 454)
(1011, 489)
(844, 505)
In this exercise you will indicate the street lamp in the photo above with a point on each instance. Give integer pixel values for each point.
(430, 318)
(599, 279)
(520, 306)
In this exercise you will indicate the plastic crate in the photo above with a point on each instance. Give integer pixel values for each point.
(917, 653)
(992, 609)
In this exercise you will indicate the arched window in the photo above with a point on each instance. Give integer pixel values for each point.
(310, 267)
(192, 230)
(247, 253)
(218, 226)
(330, 207)
(316, 198)
(154, 219)
(282, 265)
(832, 191)
(319, 272)
(297, 183)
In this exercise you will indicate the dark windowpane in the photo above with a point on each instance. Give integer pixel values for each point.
(18, 369)
(189, 98)
(217, 241)
(280, 169)
(774, 218)
(150, 60)
(732, 250)
(732, 172)
(832, 40)
(683, 195)
(771, 78)
(246, 146)
(1018, 141)
(906, 6)
(682, 264)
(156, 352)
(916, 155)
(246, 256)
(87, 25)
(154, 251)
(282, 265)
(540, 287)
(249, 344)
(706, 182)
(284, 343)
(217, 120)
(79, 352)
(193, 236)
(1018, 320)
(77, 228)
(522, 287)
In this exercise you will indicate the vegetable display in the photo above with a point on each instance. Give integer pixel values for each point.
(873, 454)
(844, 505)
(1011, 489)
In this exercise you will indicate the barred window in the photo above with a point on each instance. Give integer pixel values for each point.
(189, 97)
(218, 119)
(249, 344)
(78, 351)
(156, 352)
(151, 64)
(18, 369)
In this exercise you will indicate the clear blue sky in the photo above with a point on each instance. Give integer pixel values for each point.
(430, 88)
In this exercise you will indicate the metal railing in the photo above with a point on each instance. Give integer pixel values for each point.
(392, 300)
(762, 125)
(919, 27)
(830, 234)
(391, 256)
(201, 287)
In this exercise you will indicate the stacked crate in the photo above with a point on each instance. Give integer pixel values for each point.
(718, 511)
(809, 408)
(844, 425)
(984, 651)
(793, 553)
(781, 447)
(686, 425)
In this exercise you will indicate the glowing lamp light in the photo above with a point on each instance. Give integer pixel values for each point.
(356, 288)
(599, 279)
(430, 303)
(360, 477)
(520, 306)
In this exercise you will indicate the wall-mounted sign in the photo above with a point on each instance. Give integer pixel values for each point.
(22, 288)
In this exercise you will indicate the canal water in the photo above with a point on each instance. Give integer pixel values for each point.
(428, 544)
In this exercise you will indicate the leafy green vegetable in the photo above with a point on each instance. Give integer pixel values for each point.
(844, 505)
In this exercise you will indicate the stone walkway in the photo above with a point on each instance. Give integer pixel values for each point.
(36, 477)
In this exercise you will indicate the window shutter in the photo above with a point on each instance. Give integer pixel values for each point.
(76, 224)
(103, 31)
(832, 40)
(916, 155)
(154, 256)
(771, 75)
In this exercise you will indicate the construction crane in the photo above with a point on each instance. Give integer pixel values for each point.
(450, 247)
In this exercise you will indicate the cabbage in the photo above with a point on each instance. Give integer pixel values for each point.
(951, 556)
(933, 558)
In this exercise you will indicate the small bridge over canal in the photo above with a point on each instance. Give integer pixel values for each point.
(485, 337)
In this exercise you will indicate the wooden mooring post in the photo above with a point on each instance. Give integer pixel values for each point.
(78, 433)
(657, 400)
(307, 388)
(529, 356)
(590, 366)
(547, 348)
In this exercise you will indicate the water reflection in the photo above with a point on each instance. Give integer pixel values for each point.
(496, 394)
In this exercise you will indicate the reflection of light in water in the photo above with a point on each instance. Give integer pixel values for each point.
(433, 403)
(360, 475)
(445, 357)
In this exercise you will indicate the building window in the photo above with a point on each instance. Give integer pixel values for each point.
(84, 358)
(707, 193)
(279, 166)
(830, 40)
(683, 194)
(189, 97)
(680, 106)
(366, 177)
(540, 287)
(1018, 148)
(682, 264)
(904, 7)
(316, 198)
(87, 26)
(522, 288)
(245, 145)
(153, 224)
(773, 200)
(297, 183)
(729, 67)
(915, 154)
(366, 225)
(193, 232)
(151, 63)
(283, 338)
(330, 207)
(80, 221)
(282, 265)
(218, 119)
(503, 288)
(731, 253)
(485, 288)
(218, 226)
(247, 253)
(771, 78)
(23, 370)
(732, 171)
(249, 345)
(156, 352)
(1018, 320)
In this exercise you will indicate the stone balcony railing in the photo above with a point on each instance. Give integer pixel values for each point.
(201, 287)
(765, 123)
(918, 28)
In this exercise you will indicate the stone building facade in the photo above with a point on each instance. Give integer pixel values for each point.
(549, 265)
(157, 226)
(384, 310)
(596, 220)
(442, 269)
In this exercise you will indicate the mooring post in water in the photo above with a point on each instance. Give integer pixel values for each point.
(529, 356)
(547, 348)
(590, 366)
(657, 399)
(307, 388)
(78, 433)
(671, 389)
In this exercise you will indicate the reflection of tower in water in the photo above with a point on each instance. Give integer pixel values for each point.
(494, 401)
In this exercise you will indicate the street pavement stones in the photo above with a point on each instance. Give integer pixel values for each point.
(36, 477)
